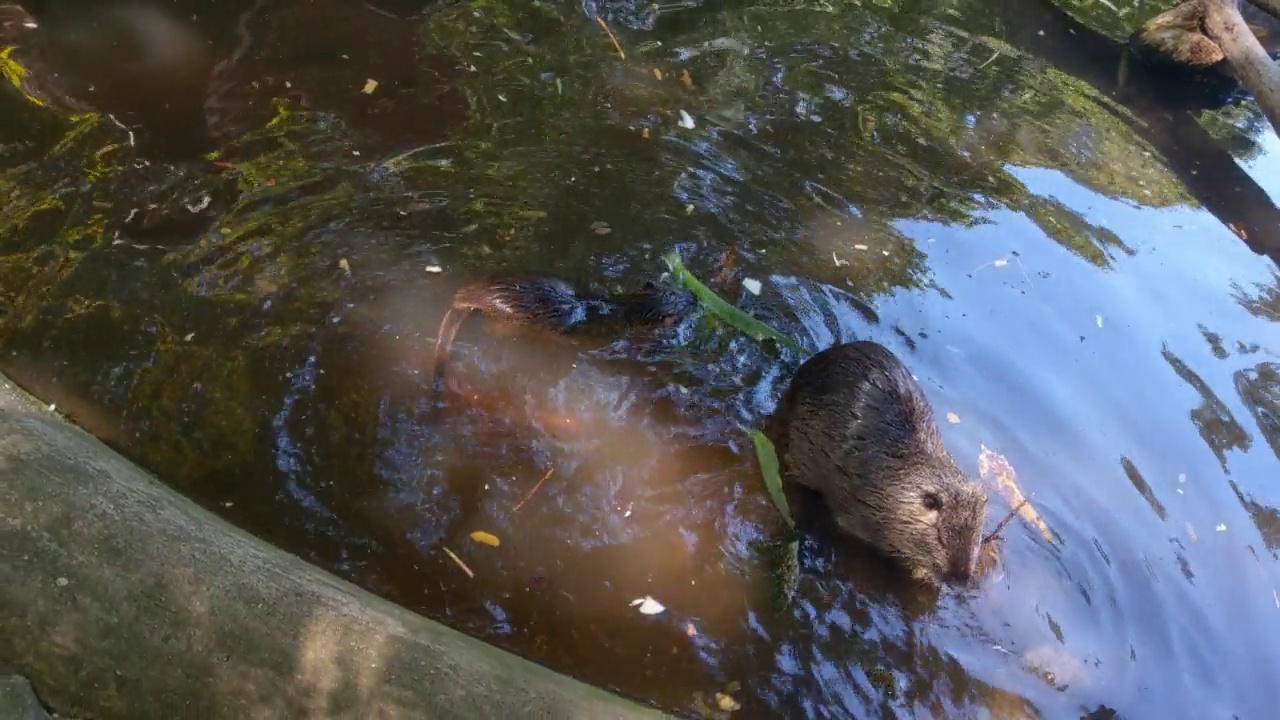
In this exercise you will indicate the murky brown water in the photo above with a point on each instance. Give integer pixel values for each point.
(220, 254)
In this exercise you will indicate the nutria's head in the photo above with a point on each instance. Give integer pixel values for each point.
(931, 519)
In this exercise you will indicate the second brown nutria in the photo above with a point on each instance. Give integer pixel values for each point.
(855, 426)
(552, 304)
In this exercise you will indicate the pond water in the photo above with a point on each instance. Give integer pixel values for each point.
(230, 232)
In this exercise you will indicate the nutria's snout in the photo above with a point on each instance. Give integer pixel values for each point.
(855, 426)
(961, 534)
(942, 539)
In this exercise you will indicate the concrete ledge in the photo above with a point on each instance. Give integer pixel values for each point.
(121, 598)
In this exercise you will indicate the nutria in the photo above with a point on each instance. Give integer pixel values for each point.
(856, 427)
(551, 304)
(853, 424)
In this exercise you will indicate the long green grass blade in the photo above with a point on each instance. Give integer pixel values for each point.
(722, 309)
(768, 458)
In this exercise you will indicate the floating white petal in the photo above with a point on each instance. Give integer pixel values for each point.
(648, 606)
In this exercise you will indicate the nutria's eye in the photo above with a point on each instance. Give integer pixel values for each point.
(932, 502)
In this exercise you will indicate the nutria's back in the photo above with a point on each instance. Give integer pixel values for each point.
(544, 302)
(856, 427)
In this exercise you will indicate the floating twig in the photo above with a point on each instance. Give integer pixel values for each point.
(531, 492)
(995, 468)
(609, 32)
(458, 560)
(992, 535)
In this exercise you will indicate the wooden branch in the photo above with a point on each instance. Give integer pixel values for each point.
(1176, 36)
(1255, 70)
(1212, 36)
(1152, 109)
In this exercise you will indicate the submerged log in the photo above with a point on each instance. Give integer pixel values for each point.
(1212, 36)
(123, 599)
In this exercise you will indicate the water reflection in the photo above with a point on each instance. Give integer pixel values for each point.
(1264, 302)
(252, 327)
(1213, 420)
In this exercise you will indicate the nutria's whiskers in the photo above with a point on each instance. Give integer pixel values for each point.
(1000, 525)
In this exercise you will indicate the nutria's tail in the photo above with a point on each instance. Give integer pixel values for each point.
(529, 301)
(449, 327)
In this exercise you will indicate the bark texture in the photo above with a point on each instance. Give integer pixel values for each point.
(1212, 34)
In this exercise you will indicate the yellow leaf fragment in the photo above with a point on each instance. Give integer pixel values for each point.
(953, 418)
(657, 73)
(369, 86)
(489, 539)
(726, 702)
(993, 466)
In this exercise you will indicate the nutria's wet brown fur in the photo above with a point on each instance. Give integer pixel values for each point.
(856, 427)
(551, 304)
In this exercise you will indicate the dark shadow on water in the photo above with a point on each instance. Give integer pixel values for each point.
(1214, 421)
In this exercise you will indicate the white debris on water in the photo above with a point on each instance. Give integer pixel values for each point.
(648, 606)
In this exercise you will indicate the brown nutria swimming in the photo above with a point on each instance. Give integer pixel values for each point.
(854, 426)
(552, 304)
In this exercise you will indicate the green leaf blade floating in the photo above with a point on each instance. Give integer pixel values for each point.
(722, 309)
(782, 556)
(768, 459)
